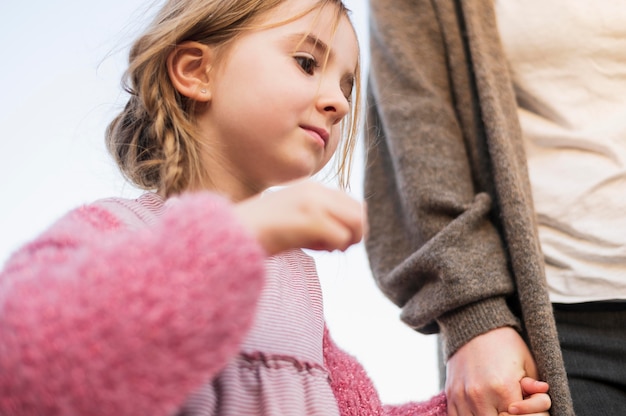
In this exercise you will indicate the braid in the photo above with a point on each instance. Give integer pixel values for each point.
(152, 139)
(173, 161)
(163, 131)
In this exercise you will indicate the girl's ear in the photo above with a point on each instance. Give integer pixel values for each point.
(188, 66)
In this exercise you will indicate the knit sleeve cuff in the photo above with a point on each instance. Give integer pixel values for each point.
(463, 324)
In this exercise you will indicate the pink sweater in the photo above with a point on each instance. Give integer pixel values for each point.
(130, 307)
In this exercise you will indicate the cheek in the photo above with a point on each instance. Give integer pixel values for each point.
(269, 95)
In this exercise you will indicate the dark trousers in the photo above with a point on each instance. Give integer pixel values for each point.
(593, 341)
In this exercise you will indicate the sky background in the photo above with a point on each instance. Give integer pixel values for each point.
(60, 86)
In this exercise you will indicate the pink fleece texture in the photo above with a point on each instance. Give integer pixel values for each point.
(356, 394)
(98, 320)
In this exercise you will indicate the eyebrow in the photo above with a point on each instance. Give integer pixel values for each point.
(317, 43)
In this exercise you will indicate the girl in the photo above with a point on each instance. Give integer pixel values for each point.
(195, 299)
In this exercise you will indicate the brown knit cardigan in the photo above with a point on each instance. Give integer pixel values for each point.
(453, 238)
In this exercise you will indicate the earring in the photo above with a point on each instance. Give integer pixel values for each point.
(203, 91)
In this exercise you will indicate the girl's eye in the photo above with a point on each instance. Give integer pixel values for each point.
(307, 63)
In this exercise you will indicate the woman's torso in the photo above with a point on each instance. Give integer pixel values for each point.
(568, 64)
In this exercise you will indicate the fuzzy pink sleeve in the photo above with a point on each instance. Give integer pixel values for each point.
(96, 319)
(356, 394)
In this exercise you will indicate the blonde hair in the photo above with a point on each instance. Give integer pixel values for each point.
(154, 139)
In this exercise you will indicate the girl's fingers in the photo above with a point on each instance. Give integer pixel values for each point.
(533, 404)
(531, 386)
(525, 414)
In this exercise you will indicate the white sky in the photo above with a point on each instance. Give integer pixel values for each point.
(59, 86)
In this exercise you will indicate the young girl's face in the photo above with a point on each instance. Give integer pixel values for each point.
(276, 105)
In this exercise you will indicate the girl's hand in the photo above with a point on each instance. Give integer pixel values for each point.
(536, 400)
(305, 215)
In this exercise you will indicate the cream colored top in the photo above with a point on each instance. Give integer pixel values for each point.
(568, 60)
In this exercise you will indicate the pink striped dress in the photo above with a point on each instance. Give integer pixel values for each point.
(279, 369)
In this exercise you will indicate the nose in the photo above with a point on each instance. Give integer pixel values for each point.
(332, 102)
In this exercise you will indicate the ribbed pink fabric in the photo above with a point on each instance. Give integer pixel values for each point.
(140, 308)
(280, 369)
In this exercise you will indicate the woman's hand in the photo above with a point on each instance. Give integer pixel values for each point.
(483, 376)
(304, 215)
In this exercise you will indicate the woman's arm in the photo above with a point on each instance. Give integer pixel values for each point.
(434, 243)
(433, 246)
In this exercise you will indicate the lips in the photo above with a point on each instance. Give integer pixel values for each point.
(318, 133)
